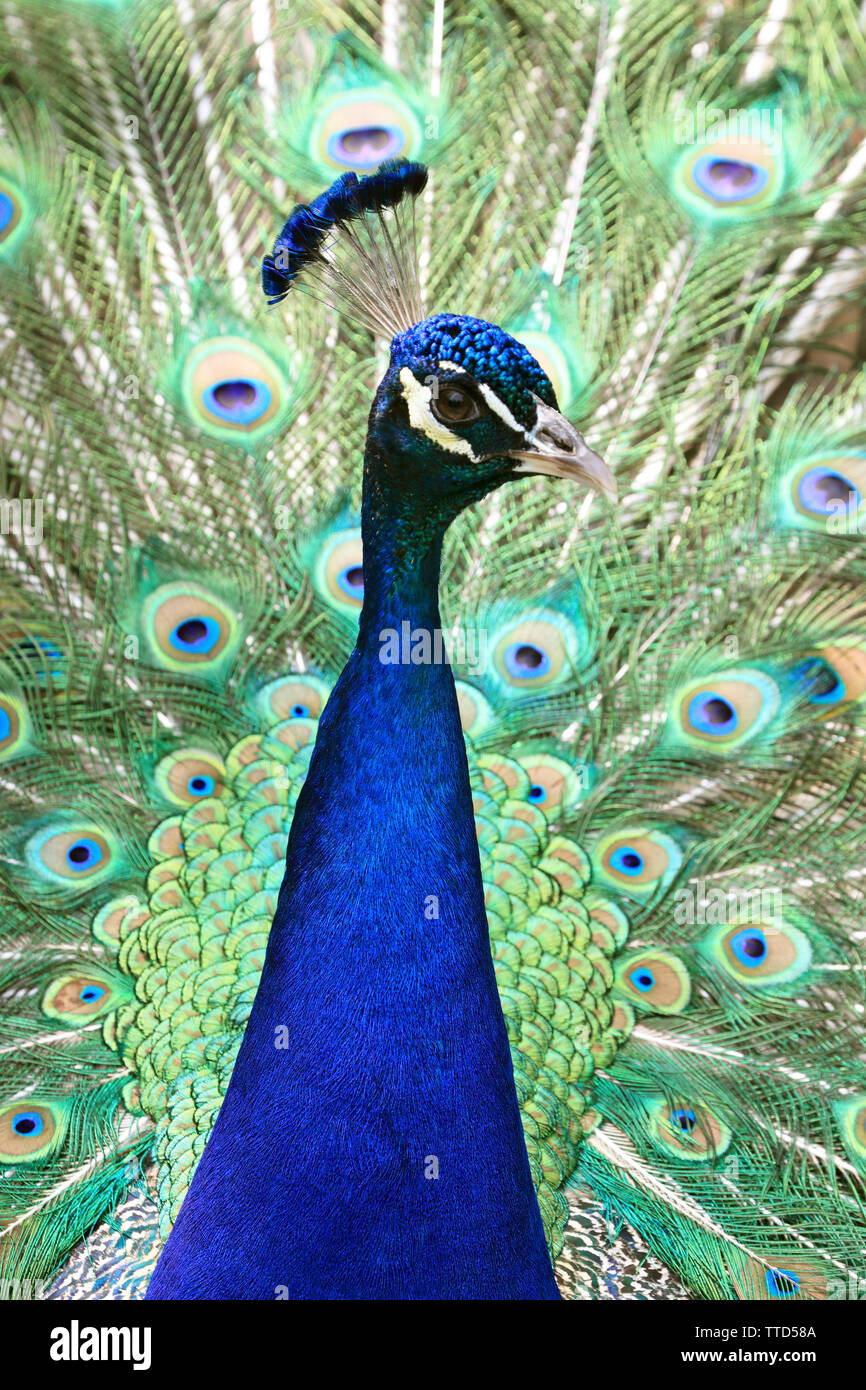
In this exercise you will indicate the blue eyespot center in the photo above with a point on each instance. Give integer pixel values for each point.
(84, 854)
(28, 1123)
(712, 714)
(642, 978)
(351, 581)
(7, 211)
(626, 860)
(195, 635)
(300, 712)
(537, 793)
(526, 661)
(729, 180)
(782, 1283)
(239, 401)
(818, 682)
(90, 994)
(365, 147)
(683, 1120)
(43, 657)
(201, 785)
(827, 492)
(5, 725)
(750, 947)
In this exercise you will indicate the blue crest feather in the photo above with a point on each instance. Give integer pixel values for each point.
(304, 235)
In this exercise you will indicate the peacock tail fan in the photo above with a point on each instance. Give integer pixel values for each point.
(662, 699)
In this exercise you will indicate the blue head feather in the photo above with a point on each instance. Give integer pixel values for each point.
(485, 351)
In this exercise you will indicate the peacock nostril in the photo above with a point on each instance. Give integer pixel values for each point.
(554, 438)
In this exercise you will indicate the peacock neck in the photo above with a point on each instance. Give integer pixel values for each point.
(402, 553)
(381, 1150)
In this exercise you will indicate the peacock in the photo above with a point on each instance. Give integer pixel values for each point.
(432, 650)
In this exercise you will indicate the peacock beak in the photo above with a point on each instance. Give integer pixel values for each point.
(555, 447)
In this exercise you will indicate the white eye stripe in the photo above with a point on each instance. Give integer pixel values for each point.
(418, 396)
(500, 408)
(496, 405)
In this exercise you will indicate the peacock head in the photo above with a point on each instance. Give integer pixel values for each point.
(463, 407)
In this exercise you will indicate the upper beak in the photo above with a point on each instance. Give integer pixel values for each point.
(554, 447)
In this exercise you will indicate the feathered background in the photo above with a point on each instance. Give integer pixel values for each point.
(666, 203)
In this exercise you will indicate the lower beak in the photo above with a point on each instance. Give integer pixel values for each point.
(555, 448)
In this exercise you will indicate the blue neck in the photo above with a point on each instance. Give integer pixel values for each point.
(381, 1155)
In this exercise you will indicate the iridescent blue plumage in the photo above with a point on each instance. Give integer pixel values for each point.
(484, 350)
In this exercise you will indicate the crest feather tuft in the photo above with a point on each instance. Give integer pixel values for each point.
(354, 246)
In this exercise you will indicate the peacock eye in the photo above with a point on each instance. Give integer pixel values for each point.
(453, 406)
